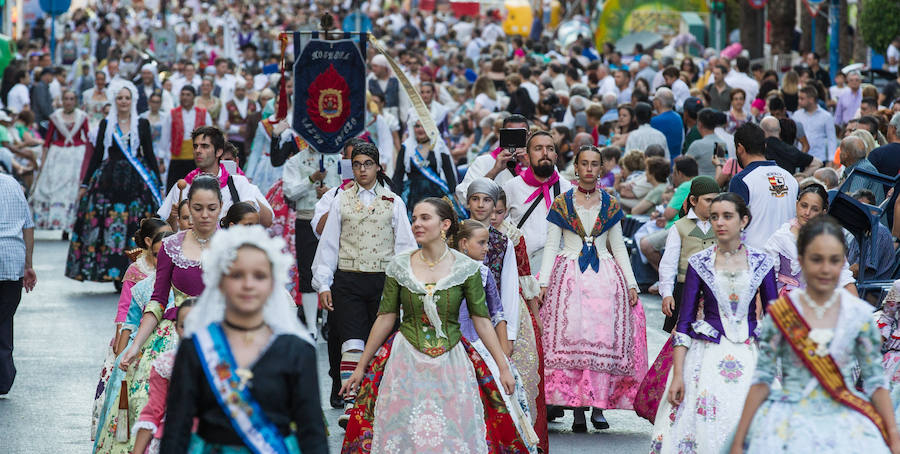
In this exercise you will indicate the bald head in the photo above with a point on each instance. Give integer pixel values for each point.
(770, 126)
(582, 139)
(852, 150)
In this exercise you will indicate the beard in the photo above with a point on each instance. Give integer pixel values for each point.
(423, 139)
(544, 169)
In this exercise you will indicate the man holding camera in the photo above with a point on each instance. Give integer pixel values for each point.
(500, 165)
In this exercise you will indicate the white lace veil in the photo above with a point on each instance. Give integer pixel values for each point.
(112, 120)
(279, 312)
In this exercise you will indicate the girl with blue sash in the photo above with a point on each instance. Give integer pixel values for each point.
(121, 187)
(246, 369)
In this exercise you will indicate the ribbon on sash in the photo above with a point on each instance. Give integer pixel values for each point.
(824, 368)
(229, 385)
(433, 177)
(139, 167)
(562, 214)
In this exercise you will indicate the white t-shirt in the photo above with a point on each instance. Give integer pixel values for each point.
(771, 195)
(18, 98)
(247, 191)
(892, 52)
(486, 102)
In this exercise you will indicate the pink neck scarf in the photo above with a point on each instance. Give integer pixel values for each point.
(542, 188)
(223, 176)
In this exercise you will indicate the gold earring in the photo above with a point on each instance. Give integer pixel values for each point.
(444, 235)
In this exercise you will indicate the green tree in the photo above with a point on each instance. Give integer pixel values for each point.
(880, 23)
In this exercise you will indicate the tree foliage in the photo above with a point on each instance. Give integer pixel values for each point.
(880, 23)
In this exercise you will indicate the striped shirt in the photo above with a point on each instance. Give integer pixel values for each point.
(14, 217)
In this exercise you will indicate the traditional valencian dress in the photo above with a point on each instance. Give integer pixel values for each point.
(595, 341)
(106, 413)
(721, 356)
(56, 189)
(888, 321)
(137, 271)
(803, 415)
(122, 189)
(428, 390)
(783, 246)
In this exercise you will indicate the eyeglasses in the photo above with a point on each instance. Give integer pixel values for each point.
(363, 165)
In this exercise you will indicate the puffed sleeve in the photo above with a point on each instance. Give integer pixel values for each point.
(163, 284)
(770, 346)
(306, 410)
(390, 297)
(181, 404)
(867, 351)
(688, 313)
(473, 290)
(768, 289)
(492, 297)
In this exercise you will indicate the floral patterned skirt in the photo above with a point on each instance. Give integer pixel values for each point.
(164, 339)
(108, 413)
(56, 189)
(108, 215)
(595, 342)
(716, 380)
(528, 356)
(109, 366)
(449, 403)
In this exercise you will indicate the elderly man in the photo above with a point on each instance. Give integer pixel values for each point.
(667, 121)
(886, 158)
(853, 156)
(786, 155)
(16, 273)
(849, 102)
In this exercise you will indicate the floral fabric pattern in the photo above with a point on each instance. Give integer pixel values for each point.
(284, 221)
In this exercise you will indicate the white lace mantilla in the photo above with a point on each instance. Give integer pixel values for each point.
(400, 269)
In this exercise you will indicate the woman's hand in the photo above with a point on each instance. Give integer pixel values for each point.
(127, 359)
(543, 295)
(676, 390)
(507, 380)
(352, 384)
(632, 296)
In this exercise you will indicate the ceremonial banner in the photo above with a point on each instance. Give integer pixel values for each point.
(329, 93)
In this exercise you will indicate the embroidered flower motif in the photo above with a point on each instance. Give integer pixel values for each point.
(430, 425)
(656, 445)
(706, 406)
(688, 445)
(731, 369)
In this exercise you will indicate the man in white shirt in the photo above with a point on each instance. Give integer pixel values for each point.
(473, 49)
(606, 83)
(224, 82)
(188, 76)
(769, 190)
(18, 98)
(645, 135)
(208, 146)
(679, 88)
(348, 269)
(529, 195)
(175, 147)
(494, 165)
(738, 78)
(818, 125)
(892, 56)
(493, 31)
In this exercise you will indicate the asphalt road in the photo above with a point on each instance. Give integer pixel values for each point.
(61, 333)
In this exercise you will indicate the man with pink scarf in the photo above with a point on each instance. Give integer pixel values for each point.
(530, 194)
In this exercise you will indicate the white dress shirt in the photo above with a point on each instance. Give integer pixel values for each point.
(295, 179)
(535, 228)
(668, 266)
(247, 191)
(165, 139)
(479, 168)
(644, 136)
(326, 260)
(322, 208)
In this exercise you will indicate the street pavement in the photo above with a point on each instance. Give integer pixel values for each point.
(62, 330)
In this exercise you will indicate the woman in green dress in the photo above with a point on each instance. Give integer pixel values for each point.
(429, 373)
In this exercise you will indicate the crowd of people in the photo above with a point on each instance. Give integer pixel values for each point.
(468, 292)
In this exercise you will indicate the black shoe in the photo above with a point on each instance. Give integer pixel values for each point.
(65, 236)
(579, 427)
(336, 400)
(598, 420)
(554, 412)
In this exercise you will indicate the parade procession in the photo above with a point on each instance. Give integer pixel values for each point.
(450, 226)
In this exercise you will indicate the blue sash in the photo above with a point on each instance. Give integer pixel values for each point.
(233, 395)
(433, 177)
(139, 167)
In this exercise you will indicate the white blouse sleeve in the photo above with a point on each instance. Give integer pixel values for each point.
(509, 291)
(551, 247)
(620, 252)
